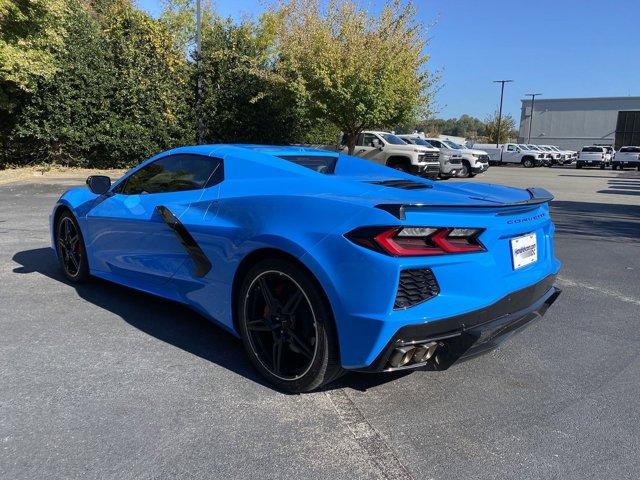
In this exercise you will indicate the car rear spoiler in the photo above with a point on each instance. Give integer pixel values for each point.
(537, 196)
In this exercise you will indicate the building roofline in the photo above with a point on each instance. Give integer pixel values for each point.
(573, 99)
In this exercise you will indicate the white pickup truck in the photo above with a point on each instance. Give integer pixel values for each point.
(390, 150)
(626, 157)
(473, 161)
(593, 156)
(512, 153)
(450, 164)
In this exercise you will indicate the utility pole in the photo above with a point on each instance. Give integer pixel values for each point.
(199, 72)
(533, 97)
(502, 82)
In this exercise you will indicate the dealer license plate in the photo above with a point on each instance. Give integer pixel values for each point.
(524, 250)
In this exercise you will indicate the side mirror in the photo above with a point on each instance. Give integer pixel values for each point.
(99, 184)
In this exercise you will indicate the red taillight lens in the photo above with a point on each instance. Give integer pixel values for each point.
(419, 241)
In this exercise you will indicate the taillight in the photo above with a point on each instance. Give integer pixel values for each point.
(418, 241)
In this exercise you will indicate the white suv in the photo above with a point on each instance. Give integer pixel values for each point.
(473, 161)
(390, 150)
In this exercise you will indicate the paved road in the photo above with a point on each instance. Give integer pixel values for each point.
(103, 382)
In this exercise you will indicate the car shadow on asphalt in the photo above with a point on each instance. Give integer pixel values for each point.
(601, 220)
(172, 322)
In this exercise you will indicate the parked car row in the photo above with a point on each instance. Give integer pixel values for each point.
(439, 158)
(428, 157)
(606, 156)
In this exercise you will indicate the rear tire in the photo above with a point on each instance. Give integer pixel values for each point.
(70, 248)
(287, 326)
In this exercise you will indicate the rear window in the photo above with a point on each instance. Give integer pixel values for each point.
(593, 149)
(630, 149)
(318, 163)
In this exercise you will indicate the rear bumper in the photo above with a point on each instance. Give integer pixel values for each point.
(473, 333)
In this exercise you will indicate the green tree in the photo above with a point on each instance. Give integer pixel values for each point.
(507, 126)
(121, 92)
(31, 31)
(354, 69)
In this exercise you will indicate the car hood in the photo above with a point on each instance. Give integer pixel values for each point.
(473, 151)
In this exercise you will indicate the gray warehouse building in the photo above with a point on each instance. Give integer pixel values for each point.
(572, 123)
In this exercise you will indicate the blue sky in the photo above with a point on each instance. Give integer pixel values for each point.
(561, 48)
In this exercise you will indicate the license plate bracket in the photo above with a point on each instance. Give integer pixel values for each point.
(524, 250)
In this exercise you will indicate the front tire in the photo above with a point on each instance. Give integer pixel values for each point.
(527, 163)
(287, 326)
(70, 248)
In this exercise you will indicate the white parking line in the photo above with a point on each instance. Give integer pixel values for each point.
(623, 298)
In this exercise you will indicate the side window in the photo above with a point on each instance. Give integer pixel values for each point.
(368, 139)
(511, 148)
(175, 173)
(435, 143)
(360, 140)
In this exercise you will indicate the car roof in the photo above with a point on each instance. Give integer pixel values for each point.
(274, 150)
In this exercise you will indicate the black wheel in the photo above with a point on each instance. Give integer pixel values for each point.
(527, 163)
(70, 248)
(399, 166)
(465, 170)
(614, 167)
(578, 165)
(287, 327)
(602, 166)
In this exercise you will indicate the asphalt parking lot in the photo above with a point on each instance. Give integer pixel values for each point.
(99, 381)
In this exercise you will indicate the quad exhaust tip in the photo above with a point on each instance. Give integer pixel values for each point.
(412, 354)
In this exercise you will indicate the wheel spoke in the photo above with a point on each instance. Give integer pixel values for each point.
(277, 355)
(300, 345)
(293, 303)
(259, 325)
(271, 301)
(74, 260)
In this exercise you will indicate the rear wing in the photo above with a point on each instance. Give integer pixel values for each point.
(537, 196)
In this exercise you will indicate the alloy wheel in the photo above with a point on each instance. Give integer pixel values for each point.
(69, 249)
(281, 325)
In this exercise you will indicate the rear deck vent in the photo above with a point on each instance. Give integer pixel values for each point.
(403, 184)
(416, 286)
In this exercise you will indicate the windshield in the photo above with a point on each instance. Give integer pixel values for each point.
(593, 149)
(555, 149)
(393, 139)
(523, 147)
(533, 147)
(419, 141)
(630, 149)
(450, 144)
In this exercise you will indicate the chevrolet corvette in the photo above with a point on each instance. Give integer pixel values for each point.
(320, 262)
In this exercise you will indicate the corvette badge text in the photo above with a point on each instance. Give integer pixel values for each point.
(527, 219)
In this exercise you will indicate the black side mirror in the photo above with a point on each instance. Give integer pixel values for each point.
(99, 184)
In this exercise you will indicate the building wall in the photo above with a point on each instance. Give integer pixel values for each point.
(573, 122)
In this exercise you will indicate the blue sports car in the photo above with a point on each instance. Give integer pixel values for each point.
(319, 261)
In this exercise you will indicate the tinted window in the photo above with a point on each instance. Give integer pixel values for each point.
(593, 149)
(630, 149)
(320, 164)
(175, 173)
(435, 143)
(392, 139)
(368, 139)
(419, 141)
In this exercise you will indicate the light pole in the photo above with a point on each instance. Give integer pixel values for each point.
(533, 97)
(199, 71)
(500, 110)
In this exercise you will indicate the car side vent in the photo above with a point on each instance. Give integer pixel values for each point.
(415, 286)
(403, 184)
